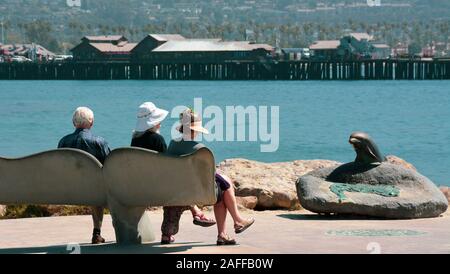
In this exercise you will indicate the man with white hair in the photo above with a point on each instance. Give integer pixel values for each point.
(83, 139)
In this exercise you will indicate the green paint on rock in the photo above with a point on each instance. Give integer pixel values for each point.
(382, 190)
(375, 233)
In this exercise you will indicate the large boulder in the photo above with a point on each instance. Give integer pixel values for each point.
(273, 184)
(386, 190)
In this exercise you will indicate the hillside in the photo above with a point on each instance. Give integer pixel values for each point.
(282, 22)
(138, 12)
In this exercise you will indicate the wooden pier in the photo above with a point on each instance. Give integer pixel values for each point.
(283, 70)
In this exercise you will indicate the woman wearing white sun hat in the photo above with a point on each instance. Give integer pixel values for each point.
(147, 135)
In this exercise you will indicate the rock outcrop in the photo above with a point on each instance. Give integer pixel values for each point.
(273, 184)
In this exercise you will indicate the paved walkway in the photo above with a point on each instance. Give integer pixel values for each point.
(273, 232)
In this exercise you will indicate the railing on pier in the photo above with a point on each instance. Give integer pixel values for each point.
(283, 70)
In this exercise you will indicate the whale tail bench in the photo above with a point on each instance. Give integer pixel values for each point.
(130, 180)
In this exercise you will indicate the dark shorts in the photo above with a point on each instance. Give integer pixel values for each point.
(222, 186)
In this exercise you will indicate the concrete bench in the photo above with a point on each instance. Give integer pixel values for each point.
(131, 180)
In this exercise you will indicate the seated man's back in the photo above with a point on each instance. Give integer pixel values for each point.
(83, 139)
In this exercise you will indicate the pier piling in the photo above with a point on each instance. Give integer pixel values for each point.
(281, 70)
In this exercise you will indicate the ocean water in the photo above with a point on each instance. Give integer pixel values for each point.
(409, 119)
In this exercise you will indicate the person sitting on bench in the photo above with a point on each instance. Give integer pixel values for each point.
(191, 126)
(83, 139)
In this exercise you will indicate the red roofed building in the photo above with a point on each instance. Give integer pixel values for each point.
(325, 49)
(114, 48)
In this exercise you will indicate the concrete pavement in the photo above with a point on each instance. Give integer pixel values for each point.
(273, 232)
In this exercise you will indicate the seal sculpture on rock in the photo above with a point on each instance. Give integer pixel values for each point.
(367, 151)
(370, 186)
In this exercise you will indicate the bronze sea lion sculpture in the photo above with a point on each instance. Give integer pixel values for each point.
(366, 150)
(370, 186)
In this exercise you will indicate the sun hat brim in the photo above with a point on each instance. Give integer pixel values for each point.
(200, 129)
(150, 121)
(195, 128)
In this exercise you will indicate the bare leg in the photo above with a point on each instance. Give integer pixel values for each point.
(220, 211)
(230, 204)
(229, 199)
(97, 217)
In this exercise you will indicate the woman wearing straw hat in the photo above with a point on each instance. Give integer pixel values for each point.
(190, 127)
(146, 135)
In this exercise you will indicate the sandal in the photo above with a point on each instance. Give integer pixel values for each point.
(166, 240)
(202, 220)
(241, 228)
(227, 240)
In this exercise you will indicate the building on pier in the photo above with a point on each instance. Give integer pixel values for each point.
(176, 48)
(356, 46)
(325, 50)
(353, 46)
(97, 49)
(210, 51)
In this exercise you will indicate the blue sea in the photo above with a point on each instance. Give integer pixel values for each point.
(409, 119)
